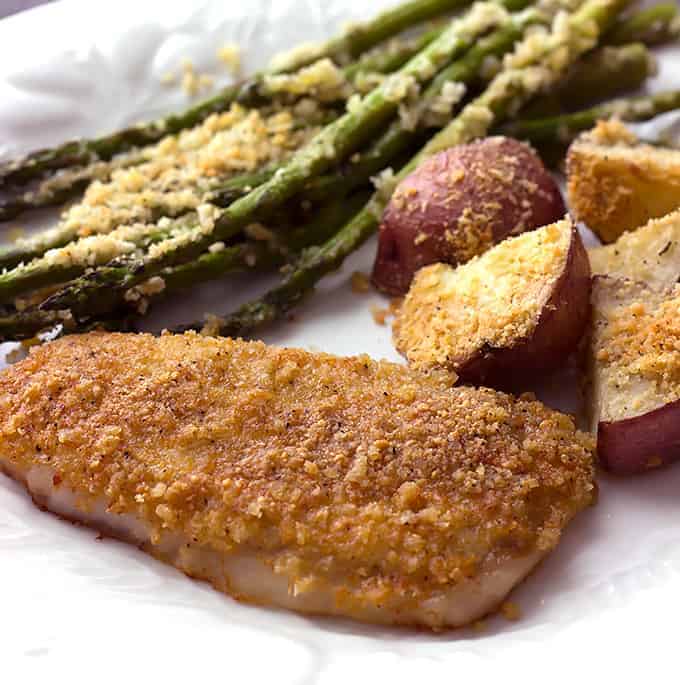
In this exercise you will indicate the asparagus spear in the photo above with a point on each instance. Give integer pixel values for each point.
(603, 74)
(380, 154)
(261, 254)
(46, 271)
(652, 26)
(251, 255)
(29, 324)
(12, 208)
(565, 127)
(506, 92)
(99, 291)
(387, 60)
(351, 43)
(392, 57)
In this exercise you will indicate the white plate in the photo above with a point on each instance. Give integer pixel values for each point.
(77, 610)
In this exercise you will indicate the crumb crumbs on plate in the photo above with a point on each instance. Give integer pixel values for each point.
(15, 233)
(510, 611)
(379, 314)
(360, 283)
(230, 55)
(194, 83)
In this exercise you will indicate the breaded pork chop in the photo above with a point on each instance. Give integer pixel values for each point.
(322, 484)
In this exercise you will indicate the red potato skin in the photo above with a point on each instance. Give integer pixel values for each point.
(558, 332)
(640, 443)
(458, 204)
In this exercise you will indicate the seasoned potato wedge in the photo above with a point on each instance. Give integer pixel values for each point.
(616, 184)
(650, 254)
(633, 387)
(459, 203)
(517, 310)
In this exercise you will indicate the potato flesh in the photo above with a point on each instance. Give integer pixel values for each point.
(495, 300)
(639, 379)
(649, 254)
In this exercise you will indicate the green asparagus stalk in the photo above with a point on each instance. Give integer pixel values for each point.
(24, 250)
(652, 26)
(396, 140)
(349, 44)
(17, 205)
(565, 127)
(99, 291)
(391, 57)
(45, 271)
(29, 324)
(251, 255)
(505, 93)
(602, 75)
(262, 255)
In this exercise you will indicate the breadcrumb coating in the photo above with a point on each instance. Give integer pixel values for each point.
(493, 301)
(615, 183)
(635, 347)
(326, 468)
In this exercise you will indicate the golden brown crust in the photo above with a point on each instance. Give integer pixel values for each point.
(616, 184)
(325, 467)
(635, 348)
(633, 384)
(521, 306)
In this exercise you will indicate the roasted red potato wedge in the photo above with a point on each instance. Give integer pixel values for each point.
(633, 385)
(616, 183)
(458, 204)
(516, 311)
(649, 254)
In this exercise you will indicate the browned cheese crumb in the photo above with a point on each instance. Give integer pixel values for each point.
(617, 183)
(360, 283)
(510, 611)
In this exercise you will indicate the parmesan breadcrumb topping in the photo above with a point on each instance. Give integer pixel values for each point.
(171, 178)
(494, 300)
(230, 55)
(305, 52)
(438, 114)
(176, 171)
(635, 347)
(322, 80)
